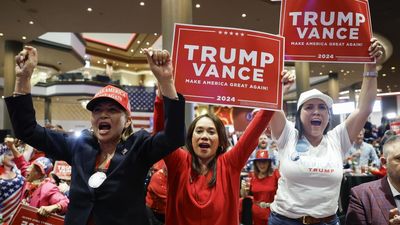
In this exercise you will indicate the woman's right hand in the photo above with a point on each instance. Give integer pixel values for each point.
(26, 61)
(287, 80)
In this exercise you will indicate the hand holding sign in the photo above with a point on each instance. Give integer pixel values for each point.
(376, 50)
(228, 66)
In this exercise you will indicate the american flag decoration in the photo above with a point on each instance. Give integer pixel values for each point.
(10, 196)
(142, 106)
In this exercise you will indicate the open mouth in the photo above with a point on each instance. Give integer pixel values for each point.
(104, 127)
(316, 122)
(204, 145)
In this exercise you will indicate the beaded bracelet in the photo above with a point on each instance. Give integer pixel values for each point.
(15, 94)
(370, 74)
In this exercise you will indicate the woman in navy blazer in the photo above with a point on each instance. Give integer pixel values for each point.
(110, 162)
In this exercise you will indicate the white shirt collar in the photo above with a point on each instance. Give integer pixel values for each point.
(392, 188)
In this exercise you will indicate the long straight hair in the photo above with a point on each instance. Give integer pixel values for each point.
(222, 147)
(257, 171)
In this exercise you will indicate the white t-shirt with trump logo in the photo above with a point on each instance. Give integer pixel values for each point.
(310, 176)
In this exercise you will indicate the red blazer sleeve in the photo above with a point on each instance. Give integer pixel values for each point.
(22, 165)
(239, 154)
(158, 116)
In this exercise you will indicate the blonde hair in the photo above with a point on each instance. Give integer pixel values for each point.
(127, 132)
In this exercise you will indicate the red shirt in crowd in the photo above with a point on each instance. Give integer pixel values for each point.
(263, 190)
(190, 200)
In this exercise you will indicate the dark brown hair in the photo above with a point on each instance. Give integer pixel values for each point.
(223, 145)
(257, 171)
(299, 125)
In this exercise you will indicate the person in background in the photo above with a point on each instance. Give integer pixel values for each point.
(377, 202)
(385, 126)
(262, 187)
(61, 175)
(311, 154)
(39, 191)
(363, 153)
(11, 182)
(203, 179)
(263, 143)
(156, 197)
(109, 162)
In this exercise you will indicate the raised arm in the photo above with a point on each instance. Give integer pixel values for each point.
(278, 120)
(355, 122)
(173, 134)
(22, 113)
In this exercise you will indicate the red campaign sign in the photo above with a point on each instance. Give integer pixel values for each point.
(27, 215)
(62, 169)
(326, 31)
(228, 66)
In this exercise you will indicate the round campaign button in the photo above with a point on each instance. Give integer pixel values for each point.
(97, 179)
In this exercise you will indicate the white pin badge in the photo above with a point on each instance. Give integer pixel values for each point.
(124, 151)
(97, 179)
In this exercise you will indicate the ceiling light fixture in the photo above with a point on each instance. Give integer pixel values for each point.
(89, 9)
(1, 34)
(141, 3)
(197, 5)
(147, 43)
(244, 15)
(138, 42)
(31, 22)
(155, 34)
(23, 38)
(131, 50)
(108, 49)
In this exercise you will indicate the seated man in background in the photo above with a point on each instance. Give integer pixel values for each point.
(362, 152)
(377, 202)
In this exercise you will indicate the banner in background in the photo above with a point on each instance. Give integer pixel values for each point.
(326, 31)
(228, 66)
(62, 169)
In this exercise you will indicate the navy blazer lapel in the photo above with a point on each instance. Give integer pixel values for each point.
(384, 197)
(115, 163)
(87, 161)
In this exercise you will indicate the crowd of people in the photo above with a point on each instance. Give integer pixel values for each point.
(291, 172)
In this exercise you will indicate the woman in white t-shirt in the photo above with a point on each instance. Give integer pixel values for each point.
(311, 156)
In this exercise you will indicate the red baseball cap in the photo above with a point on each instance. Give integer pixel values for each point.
(113, 93)
(262, 155)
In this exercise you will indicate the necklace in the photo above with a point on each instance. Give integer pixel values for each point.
(103, 162)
